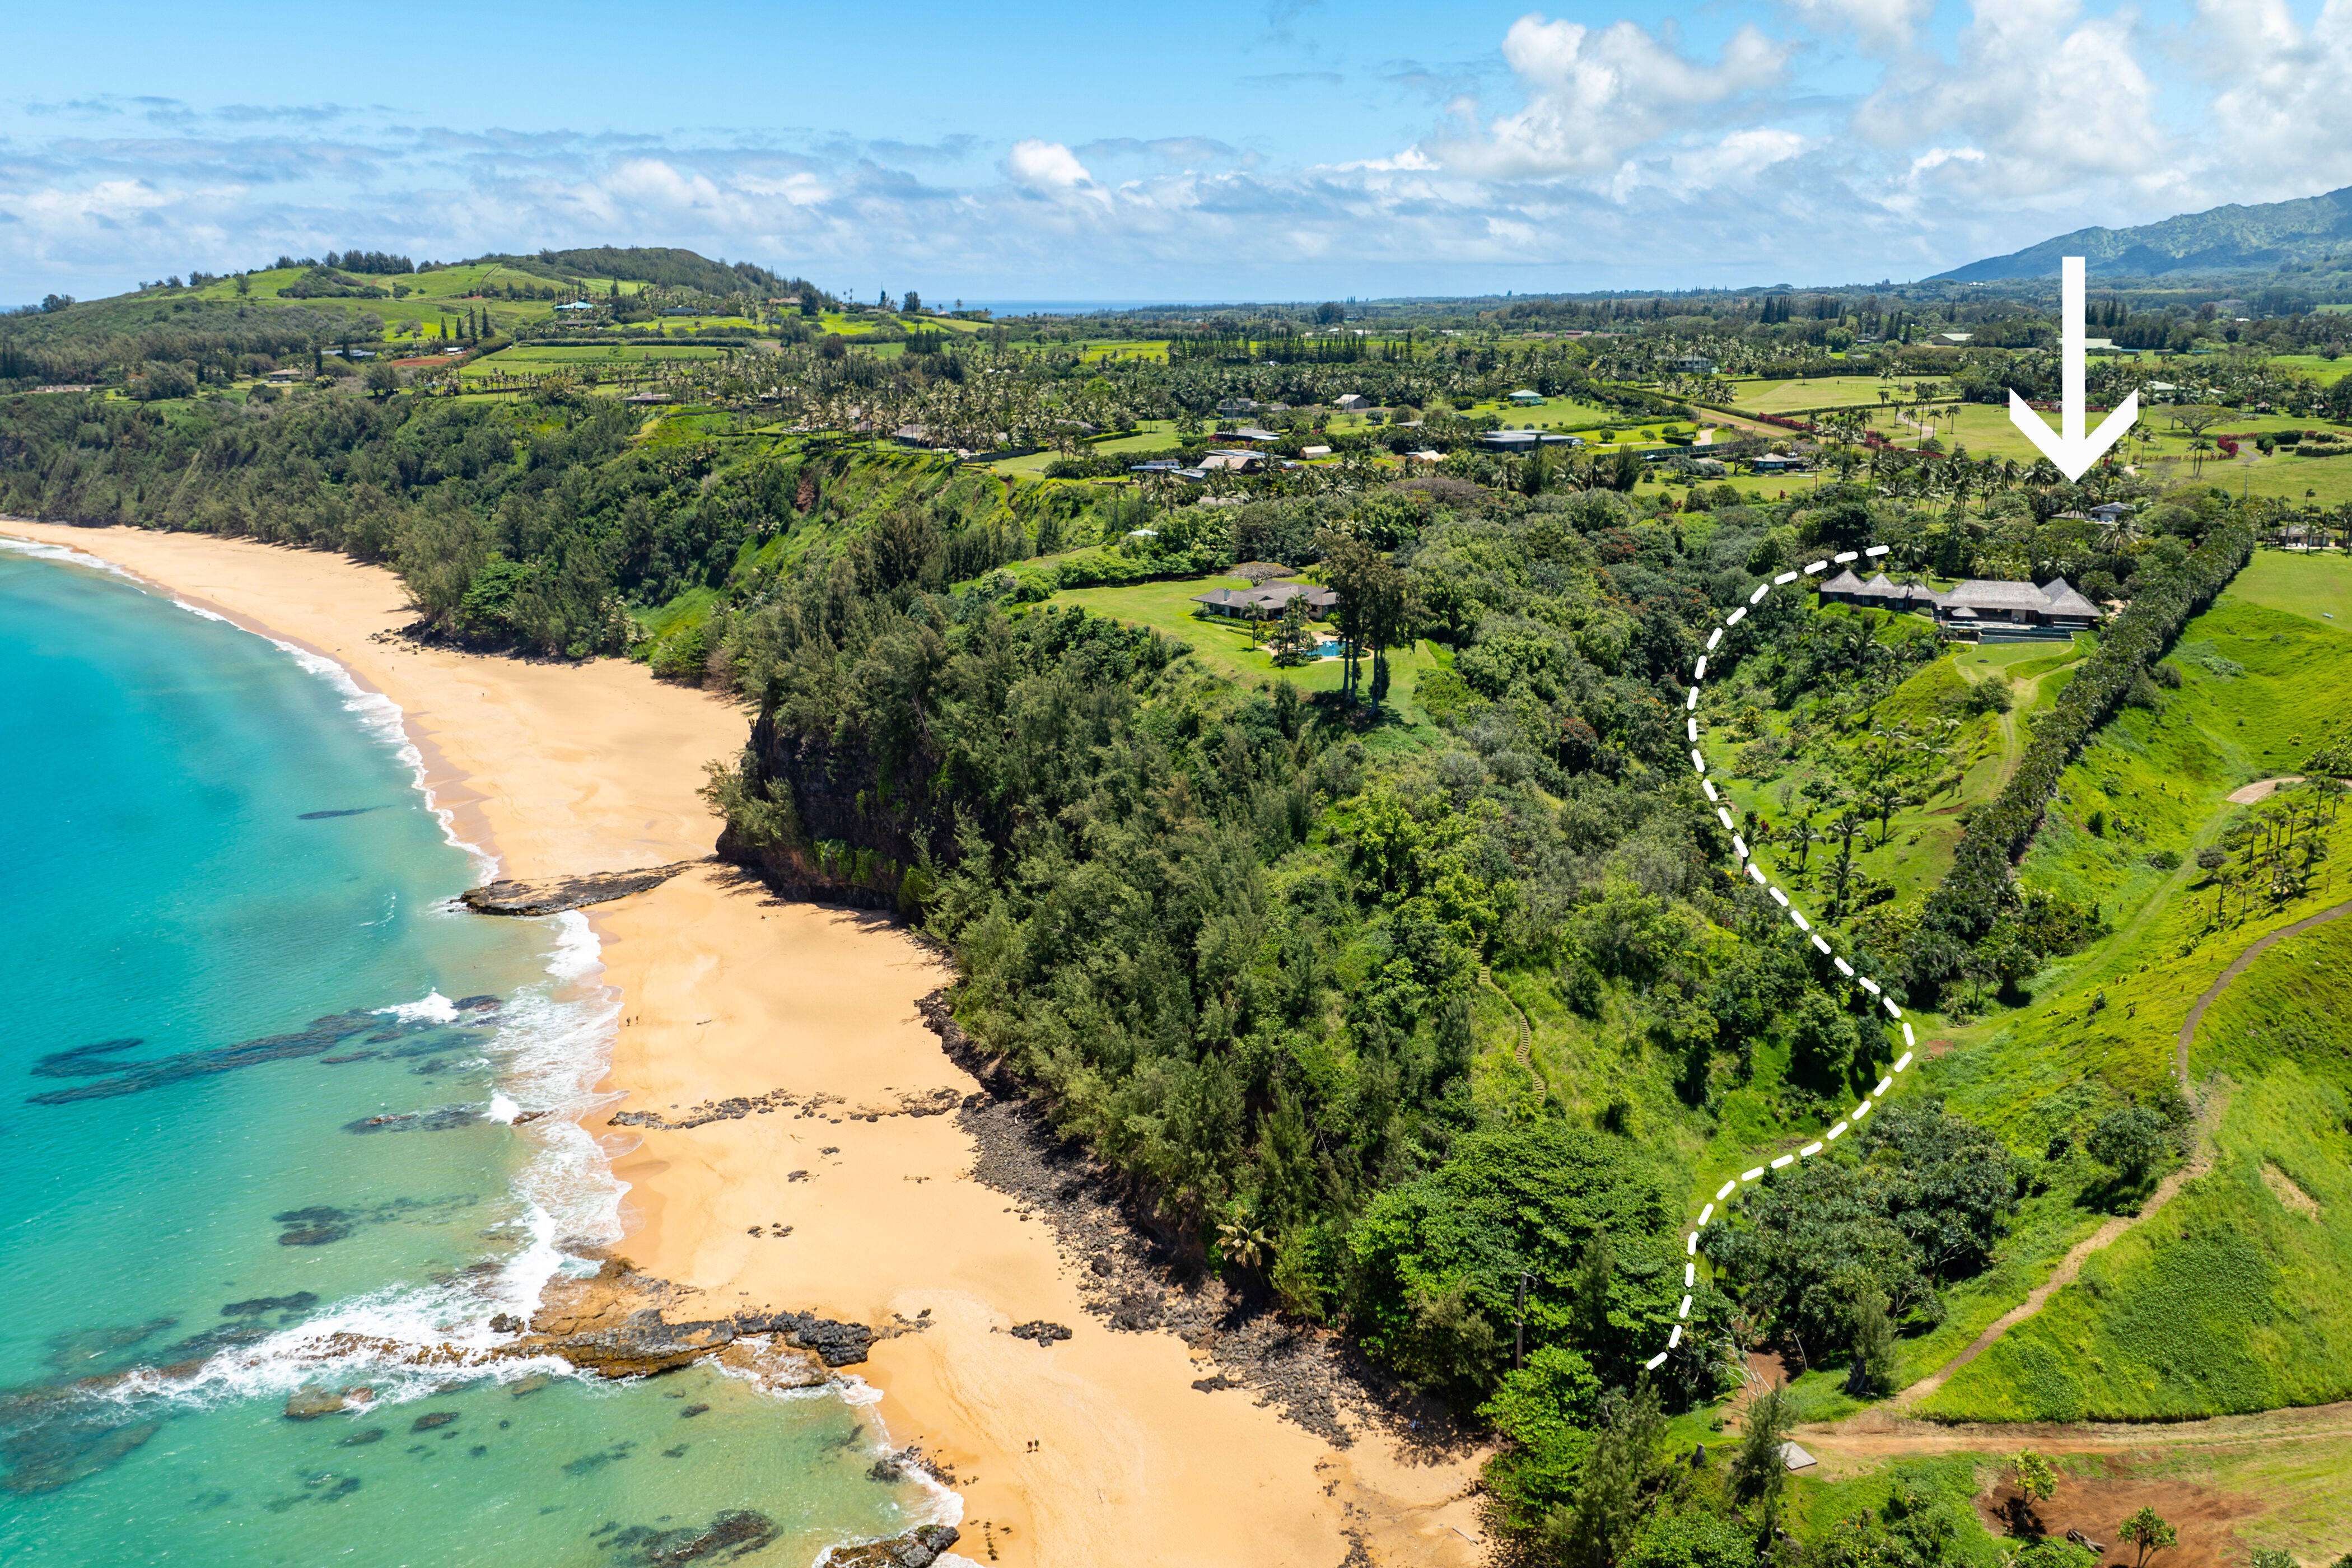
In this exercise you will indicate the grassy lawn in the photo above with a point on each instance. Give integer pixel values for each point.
(2228, 1299)
(1564, 413)
(1810, 392)
(1224, 646)
(2317, 586)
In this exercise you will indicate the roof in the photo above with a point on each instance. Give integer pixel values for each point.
(2065, 601)
(1993, 595)
(1254, 434)
(1845, 582)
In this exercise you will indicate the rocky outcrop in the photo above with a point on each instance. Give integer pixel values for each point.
(552, 895)
(612, 1324)
(919, 1548)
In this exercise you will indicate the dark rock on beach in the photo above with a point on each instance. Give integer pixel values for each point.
(552, 895)
(837, 1344)
(310, 1401)
(1044, 1333)
(919, 1548)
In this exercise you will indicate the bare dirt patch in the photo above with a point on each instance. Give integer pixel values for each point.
(2284, 1188)
(2097, 1503)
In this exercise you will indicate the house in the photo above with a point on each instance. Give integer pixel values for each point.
(1234, 407)
(1956, 337)
(2109, 513)
(1314, 451)
(1234, 461)
(648, 397)
(1777, 463)
(1880, 592)
(911, 436)
(1994, 611)
(1264, 604)
(1692, 364)
(1251, 433)
(1523, 398)
(577, 305)
(1353, 403)
(1510, 440)
(1571, 442)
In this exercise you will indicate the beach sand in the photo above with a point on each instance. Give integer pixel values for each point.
(727, 991)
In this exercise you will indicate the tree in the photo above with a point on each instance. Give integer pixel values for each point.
(2130, 1138)
(1598, 1526)
(2148, 1531)
(1759, 1471)
(1874, 1343)
(2036, 1481)
(1293, 643)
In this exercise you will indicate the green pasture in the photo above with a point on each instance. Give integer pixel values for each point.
(1126, 348)
(1810, 392)
(1226, 645)
(2317, 586)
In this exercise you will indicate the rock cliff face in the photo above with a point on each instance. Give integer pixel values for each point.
(847, 842)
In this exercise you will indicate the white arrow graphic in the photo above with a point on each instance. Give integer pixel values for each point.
(2070, 451)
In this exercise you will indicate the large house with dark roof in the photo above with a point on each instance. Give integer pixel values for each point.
(1997, 611)
(1267, 602)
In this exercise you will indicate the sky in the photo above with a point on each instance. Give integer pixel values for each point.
(1291, 150)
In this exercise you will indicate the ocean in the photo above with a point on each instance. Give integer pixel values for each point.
(260, 1093)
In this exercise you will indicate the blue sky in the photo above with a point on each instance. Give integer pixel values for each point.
(1296, 150)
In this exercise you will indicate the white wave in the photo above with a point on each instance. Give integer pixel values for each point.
(382, 717)
(433, 1007)
(578, 953)
(42, 549)
(504, 1110)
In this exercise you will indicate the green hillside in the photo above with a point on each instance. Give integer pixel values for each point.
(2309, 233)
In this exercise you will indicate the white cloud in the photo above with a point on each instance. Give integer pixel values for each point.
(2282, 105)
(1595, 95)
(2048, 96)
(1878, 25)
(1046, 166)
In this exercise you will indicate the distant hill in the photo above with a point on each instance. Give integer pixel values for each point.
(2311, 229)
(661, 265)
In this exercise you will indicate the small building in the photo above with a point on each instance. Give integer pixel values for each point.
(2109, 513)
(1314, 451)
(1510, 440)
(911, 436)
(1571, 442)
(648, 397)
(578, 305)
(1267, 602)
(1234, 461)
(1692, 364)
(1234, 407)
(1251, 433)
(1777, 463)
(1524, 398)
(1353, 403)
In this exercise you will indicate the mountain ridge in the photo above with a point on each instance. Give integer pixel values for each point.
(2231, 238)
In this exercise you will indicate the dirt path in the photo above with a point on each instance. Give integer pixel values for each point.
(2238, 966)
(1882, 1433)
(1526, 1052)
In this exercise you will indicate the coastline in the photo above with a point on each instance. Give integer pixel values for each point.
(727, 991)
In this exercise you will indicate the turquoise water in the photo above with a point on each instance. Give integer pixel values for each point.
(257, 1089)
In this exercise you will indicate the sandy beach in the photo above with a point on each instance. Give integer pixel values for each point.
(729, 990)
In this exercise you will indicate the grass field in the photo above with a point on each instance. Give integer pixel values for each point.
(2229, 1298)
(1224, 646)
(2315, 586)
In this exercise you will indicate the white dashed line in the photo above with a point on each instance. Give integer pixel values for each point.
(1797, 917)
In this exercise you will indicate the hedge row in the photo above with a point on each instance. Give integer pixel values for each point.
(1969, 899)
